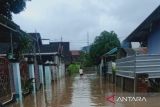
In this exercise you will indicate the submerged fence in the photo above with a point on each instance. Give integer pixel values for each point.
(24, 72)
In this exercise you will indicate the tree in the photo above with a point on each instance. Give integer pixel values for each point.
(85, 59)
(7, 7)
(25, 45)
(102, 44)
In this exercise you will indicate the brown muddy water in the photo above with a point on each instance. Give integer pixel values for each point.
(87, 91)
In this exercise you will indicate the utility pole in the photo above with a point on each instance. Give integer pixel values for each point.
(61, 39)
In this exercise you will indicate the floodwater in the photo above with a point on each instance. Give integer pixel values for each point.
(87, 91)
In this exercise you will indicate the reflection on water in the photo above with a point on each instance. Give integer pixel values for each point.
(87, 91)
(48, 88)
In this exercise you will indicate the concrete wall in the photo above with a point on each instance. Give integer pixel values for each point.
(154, 42)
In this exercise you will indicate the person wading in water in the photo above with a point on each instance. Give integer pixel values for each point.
(80, 71)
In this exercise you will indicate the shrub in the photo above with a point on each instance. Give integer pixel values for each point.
(73, 68)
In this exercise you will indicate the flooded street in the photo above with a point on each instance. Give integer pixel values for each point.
(87, 91)
(79, 53)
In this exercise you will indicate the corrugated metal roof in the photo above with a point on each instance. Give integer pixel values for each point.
(111, 52)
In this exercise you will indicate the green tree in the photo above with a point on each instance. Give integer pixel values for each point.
(7, 7)
(102, 44)
(85, 59)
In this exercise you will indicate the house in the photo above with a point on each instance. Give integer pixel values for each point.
(55, 53)
(147, 59)
(105, 66)
(47, 51)
(59, 53)
(10, 37)
(62, 48)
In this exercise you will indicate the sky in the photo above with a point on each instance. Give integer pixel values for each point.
(73, 20)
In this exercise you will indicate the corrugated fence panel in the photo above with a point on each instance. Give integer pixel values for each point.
(149, 64)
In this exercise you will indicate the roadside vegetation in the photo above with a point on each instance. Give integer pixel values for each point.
(102, 44)
(73, 68)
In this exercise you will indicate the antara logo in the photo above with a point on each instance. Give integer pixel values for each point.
(113, 99)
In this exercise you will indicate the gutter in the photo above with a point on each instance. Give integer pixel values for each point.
(8, 27)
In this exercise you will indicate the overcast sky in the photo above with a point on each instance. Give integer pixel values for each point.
(72, 19)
